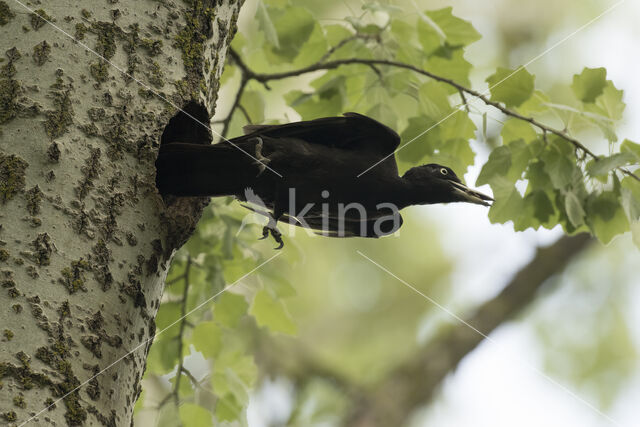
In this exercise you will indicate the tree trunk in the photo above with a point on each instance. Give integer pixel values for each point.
(85, 239)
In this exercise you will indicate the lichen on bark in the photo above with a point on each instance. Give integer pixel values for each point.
(34, 197)
(39, 19)
(10, 89)
(12, 171)
(6, 14)
(60, 118)
(41, 52)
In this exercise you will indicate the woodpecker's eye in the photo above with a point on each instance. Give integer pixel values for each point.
(443, 171)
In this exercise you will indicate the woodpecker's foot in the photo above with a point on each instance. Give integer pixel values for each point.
(275, 233)
(261, 161)
(265, 233)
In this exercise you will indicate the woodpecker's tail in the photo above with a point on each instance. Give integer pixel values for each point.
(201, 170)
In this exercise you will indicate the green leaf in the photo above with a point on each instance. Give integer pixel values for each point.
(605, 164)
(590, 84)
(457, 126)
(236, 386)
(454, 67)
(428, 35)
(168, 416)
(456, 153)
(434, 100)
(609, 103)
(271, 313)
(497, 166)
(336, 33)
(281, 287)
(327, 100)
(538, 177)
(311, 107)
(539, 205)
(559, 168)
(521, 154)
(371, 29)
(384, 114)
(514, 129)
(630, 200)
(381, 7)
(163, 356)
(628, 146)
(512, 88)
(186, 388)
(253, 102)
(246, 369)
(574, 209)
(535, 104)
(457, 31)
(484, 126)
(228, 408)
(405, 37)
(229, 308)
(416, 142)
(313, 48)
(605, 216)
(508, 205)
(294, 26)
(266, 25)
(168, 313)
(207, 339)
(193, 415)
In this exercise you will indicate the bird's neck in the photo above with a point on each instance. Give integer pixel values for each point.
(420, 193)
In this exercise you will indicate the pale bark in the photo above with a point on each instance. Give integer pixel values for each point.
(86, 241)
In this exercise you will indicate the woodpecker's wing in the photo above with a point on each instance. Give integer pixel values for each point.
(352, 131)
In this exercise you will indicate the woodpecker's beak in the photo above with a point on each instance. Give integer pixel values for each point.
(468, 195)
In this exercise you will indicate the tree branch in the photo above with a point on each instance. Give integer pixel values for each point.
(197, 383)
(264, 78)
(341, 43)
(236, 102)
(414, 383)
(463, 97)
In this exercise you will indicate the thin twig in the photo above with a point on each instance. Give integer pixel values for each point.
(240, 63)
(175, 393)
(164, 400)
(175, 279)
(341, 43)
(180, 337)
(195, 381)
(227, 120)
(245, 113)
(376, 70)
(464, 100)
(263, 78)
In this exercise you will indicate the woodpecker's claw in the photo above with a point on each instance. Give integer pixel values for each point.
(277, 236)
(261, 161)
(265, 233)
(275, 233)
